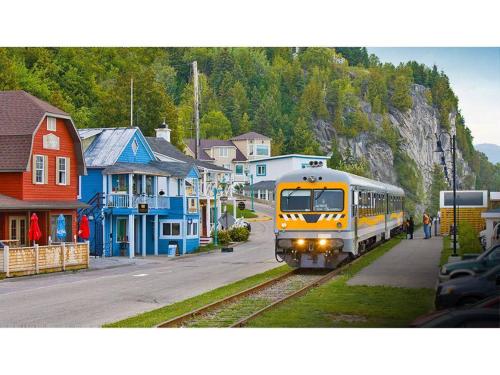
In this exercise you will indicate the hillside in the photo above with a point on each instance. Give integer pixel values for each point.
(374, 119)
(491, 150)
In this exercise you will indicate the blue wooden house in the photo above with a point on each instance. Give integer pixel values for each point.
(139, 205)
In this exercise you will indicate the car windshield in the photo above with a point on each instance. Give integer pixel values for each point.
(492, 253)
(328, 200)
(296, 200)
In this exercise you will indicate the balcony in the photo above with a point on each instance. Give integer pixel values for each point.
(123, 201)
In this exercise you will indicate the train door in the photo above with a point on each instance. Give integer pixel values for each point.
(355, 204)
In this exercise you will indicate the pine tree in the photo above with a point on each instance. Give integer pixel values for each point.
(401, 98)
(303, 141)
(278, 143)
(214, 125)
(245, 124)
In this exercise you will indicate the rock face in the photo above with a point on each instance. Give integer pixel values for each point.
(417, 128)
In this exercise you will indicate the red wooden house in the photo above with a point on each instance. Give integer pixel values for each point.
(40, 162)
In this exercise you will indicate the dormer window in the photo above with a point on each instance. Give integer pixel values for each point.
(223, 152)
(51, 124)
(135, 147)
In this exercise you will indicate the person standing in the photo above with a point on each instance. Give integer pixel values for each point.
(411, 227)
(425, 221)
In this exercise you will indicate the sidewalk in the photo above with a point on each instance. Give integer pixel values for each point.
(410, 264)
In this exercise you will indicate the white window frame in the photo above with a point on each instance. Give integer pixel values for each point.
(59, 171)
(261, 145)
(224, 154)
(42, 182)
(51, 124)
(166, 237)
(135, 147)
(189, 229)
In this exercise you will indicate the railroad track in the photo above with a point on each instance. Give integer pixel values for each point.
(238, 309)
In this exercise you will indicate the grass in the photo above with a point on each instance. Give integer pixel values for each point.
(207, 247)
(155, 317)
(336, 304)
(447, 250)
(247, 214)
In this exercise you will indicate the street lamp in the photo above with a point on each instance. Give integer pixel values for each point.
(247, 171)
(216, 219)
(439, 148)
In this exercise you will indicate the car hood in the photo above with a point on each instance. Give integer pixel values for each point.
(463, 264)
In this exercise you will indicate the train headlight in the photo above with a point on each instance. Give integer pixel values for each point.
(283, 225)
(322, 242)
(301, 242)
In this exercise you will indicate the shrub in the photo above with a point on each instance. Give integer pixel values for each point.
(223, 237)
(468, 238)
(239, 234)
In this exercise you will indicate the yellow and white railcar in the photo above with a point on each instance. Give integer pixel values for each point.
(324, 215)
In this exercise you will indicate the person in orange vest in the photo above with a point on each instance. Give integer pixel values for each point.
(426, 221)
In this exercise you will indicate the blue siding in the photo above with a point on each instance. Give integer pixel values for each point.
(91, 184)
(144, 153)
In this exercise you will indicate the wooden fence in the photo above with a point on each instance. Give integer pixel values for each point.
(21, 261)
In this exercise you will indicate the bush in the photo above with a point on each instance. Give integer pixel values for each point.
(223, 237)
(468, 239)
(239, 234)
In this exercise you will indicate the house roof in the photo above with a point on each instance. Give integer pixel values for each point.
(20, 116)
(299, 156)
(163, 147)
(153, 168)
(263, 185)
(175, 169)
(108, 146)
(10, 203)
(249, 136)
(209, 143)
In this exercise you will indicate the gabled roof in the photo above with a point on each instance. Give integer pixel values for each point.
(163, 147)
(108, 146)
(209, 143)
(249, 136)
(20, 116)
(239, 156)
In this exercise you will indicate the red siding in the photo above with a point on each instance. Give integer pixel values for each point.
(52, 191)
(11, 184)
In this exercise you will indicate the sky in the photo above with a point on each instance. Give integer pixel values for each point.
(474, 74)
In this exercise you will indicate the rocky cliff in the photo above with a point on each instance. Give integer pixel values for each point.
(417, 128)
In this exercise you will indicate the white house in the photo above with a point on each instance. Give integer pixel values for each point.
(265, 171)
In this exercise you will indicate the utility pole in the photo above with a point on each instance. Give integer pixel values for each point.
(196, 110)
(131, 102)
(453, 150)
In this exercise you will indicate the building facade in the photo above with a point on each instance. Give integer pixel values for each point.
(140, 205)
(41, 160)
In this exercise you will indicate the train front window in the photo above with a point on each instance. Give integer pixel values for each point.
(328, 200)
(296, 200)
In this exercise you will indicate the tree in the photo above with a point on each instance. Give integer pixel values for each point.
(278, 143)
(335, 160)
(303, 141)
(214, 125)
(401, 98)
(438, 184)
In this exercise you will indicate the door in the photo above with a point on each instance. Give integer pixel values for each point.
(137, 236)
(18, 230)
(204, 221)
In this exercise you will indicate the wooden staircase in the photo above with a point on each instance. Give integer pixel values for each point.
(205, 240)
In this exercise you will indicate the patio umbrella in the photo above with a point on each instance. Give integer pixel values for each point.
(61, 227)
(84, 231)
(34, 232)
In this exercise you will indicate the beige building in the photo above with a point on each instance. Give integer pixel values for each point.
(234, 154)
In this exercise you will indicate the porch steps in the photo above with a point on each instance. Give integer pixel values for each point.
(205, 240)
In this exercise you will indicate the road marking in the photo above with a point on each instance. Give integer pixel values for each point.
(140, 275)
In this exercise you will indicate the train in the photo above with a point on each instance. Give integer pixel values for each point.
(325, 216)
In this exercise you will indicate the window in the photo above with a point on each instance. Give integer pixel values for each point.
(51, 124)
(239, 169)
(328, 200)
(39, 169)
(261, 170)
(170, 229)
(192, 206)
(137, 184)
(149, 185)
(135, 147)
(296, 200)
(120, 183)
(262, 150)
(62, 171)
(192, 229)
(223, 152)
(121, 230)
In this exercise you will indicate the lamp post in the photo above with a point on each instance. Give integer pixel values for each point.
(251, 190)
(439, 148)
(216, 221)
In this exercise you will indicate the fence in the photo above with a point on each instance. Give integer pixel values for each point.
(21, 261)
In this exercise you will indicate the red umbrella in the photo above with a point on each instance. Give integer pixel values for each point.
(34, 233)
(84, 231)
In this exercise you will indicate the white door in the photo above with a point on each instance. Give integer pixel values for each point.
(18, 229)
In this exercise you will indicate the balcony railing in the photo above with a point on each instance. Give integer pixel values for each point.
(122, 201)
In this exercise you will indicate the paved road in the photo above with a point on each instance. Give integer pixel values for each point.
(410, 264)
(92, 298)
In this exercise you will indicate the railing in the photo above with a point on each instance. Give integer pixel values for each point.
(122, 201)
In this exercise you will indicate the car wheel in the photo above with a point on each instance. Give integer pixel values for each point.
(467, 301)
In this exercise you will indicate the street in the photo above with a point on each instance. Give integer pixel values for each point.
(95, 297)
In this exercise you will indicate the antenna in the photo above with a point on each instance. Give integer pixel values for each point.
(131, 102)
(196, 110)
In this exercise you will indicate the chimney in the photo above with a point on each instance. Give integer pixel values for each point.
(163, 132)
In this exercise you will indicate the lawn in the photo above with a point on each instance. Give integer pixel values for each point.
(247, 214)
(447, 250)
(337, 304)
(155, 317)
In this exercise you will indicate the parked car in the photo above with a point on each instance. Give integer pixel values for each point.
(465, 318)
(468, 290)
(487, 303)
(472, 265)
(242, 223)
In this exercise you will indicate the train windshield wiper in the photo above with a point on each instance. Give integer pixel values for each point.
(320, 194)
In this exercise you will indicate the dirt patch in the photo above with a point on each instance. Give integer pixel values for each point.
(348, 318)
